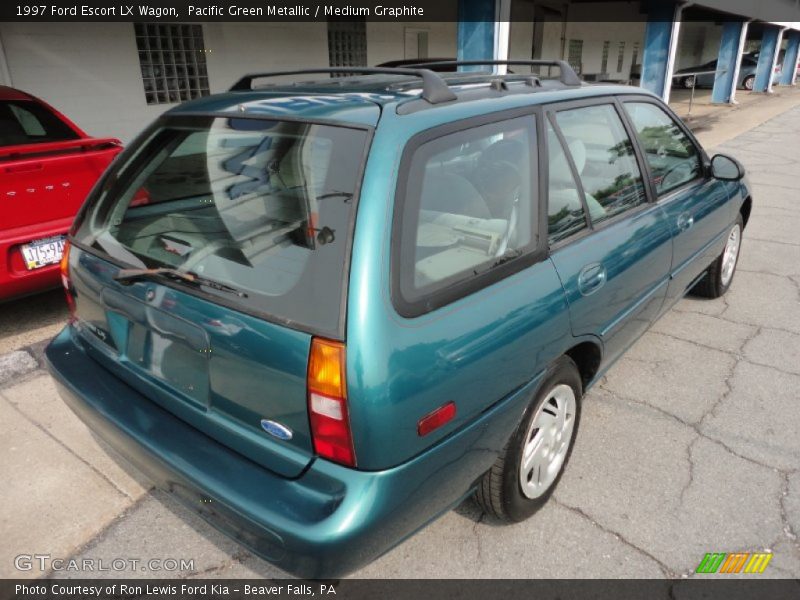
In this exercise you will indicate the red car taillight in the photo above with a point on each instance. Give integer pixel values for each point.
(65, 280)
(327, 402)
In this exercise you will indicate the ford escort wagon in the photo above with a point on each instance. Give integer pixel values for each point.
(322, 313)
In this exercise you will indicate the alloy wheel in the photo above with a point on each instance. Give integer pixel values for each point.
(547, 441)
(730, 255)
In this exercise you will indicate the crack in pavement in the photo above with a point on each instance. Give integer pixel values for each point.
(694, 427)
(47, 432)
(738, 357)
(719, 316)
(755, 239)
(690, 459)
(477, 535)
(236, 558)
(101, 535)
(665, 569)
(787, 525)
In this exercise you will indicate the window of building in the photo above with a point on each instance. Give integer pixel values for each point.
(673, 158)
(575, 56)
(621, 56)
(416, 43)
(347, 43)
(604, 159)
(635, 55)
(470, 205)
(604, 59)
(173, 62)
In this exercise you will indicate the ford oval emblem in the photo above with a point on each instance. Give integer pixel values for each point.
(276, 429)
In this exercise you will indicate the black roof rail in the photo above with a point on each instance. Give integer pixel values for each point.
(567, 75)
(434, 88)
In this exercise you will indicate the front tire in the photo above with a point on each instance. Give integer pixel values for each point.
(749, 82)
(528, 469)
(720, 274)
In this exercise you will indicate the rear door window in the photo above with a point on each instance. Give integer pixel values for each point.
(28, 122)
(671, 155)
(565, 211)
(262, 206)
(604, 159)
(470, 205)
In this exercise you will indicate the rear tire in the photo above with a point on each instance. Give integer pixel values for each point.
(719, 276)
(749, 82)
(512, 490)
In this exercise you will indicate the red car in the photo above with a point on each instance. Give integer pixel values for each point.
(47, 167)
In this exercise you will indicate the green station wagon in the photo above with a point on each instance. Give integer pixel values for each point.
(322, 314)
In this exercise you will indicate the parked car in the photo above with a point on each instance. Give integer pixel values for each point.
(779, 68)
(48, 166)
(339, 308)
(747, 74)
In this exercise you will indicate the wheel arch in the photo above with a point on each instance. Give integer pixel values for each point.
(587, 356)
(745, 209)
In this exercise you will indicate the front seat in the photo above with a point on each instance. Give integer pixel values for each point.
(498, 175)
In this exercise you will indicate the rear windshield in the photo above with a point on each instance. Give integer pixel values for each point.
(263, 207)
(28, 122)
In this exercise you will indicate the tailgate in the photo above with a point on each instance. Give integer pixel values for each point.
(46, 182)
(218, 369)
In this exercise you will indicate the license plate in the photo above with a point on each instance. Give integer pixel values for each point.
(40, 253)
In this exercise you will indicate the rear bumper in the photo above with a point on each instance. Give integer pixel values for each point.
(17, 281)
(329, 521)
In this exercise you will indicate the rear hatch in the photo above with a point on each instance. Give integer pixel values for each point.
(208, 259)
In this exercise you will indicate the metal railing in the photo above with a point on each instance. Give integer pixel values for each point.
(693, 75)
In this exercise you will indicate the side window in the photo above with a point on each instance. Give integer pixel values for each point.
(604, 158)
(565, 214)
(673, 158)
(470, 204)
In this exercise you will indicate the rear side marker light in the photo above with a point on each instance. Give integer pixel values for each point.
(433, 421)
(327, 402)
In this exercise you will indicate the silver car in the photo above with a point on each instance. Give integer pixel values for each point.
(702, 76)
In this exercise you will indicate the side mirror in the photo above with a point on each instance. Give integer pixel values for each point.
(726, 168)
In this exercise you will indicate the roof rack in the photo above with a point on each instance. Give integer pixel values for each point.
(567, 75)
(434, 89)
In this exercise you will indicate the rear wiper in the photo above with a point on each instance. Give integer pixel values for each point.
(128, 276)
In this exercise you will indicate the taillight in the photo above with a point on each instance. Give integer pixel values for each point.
(65, 280)
(327, 402)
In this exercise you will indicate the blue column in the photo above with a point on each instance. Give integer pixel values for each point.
(766, 57)
(476, 30)
(790, 59)
(657, 48)
(730, 53)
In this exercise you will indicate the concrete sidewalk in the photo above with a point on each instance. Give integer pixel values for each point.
(691, 444)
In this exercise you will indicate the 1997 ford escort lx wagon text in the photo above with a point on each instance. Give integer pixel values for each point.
(324, 313)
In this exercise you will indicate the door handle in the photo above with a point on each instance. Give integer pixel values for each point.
(685, 221)
(591, 278)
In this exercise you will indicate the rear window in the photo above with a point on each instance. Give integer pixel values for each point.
(261, 206)
(28, 122)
